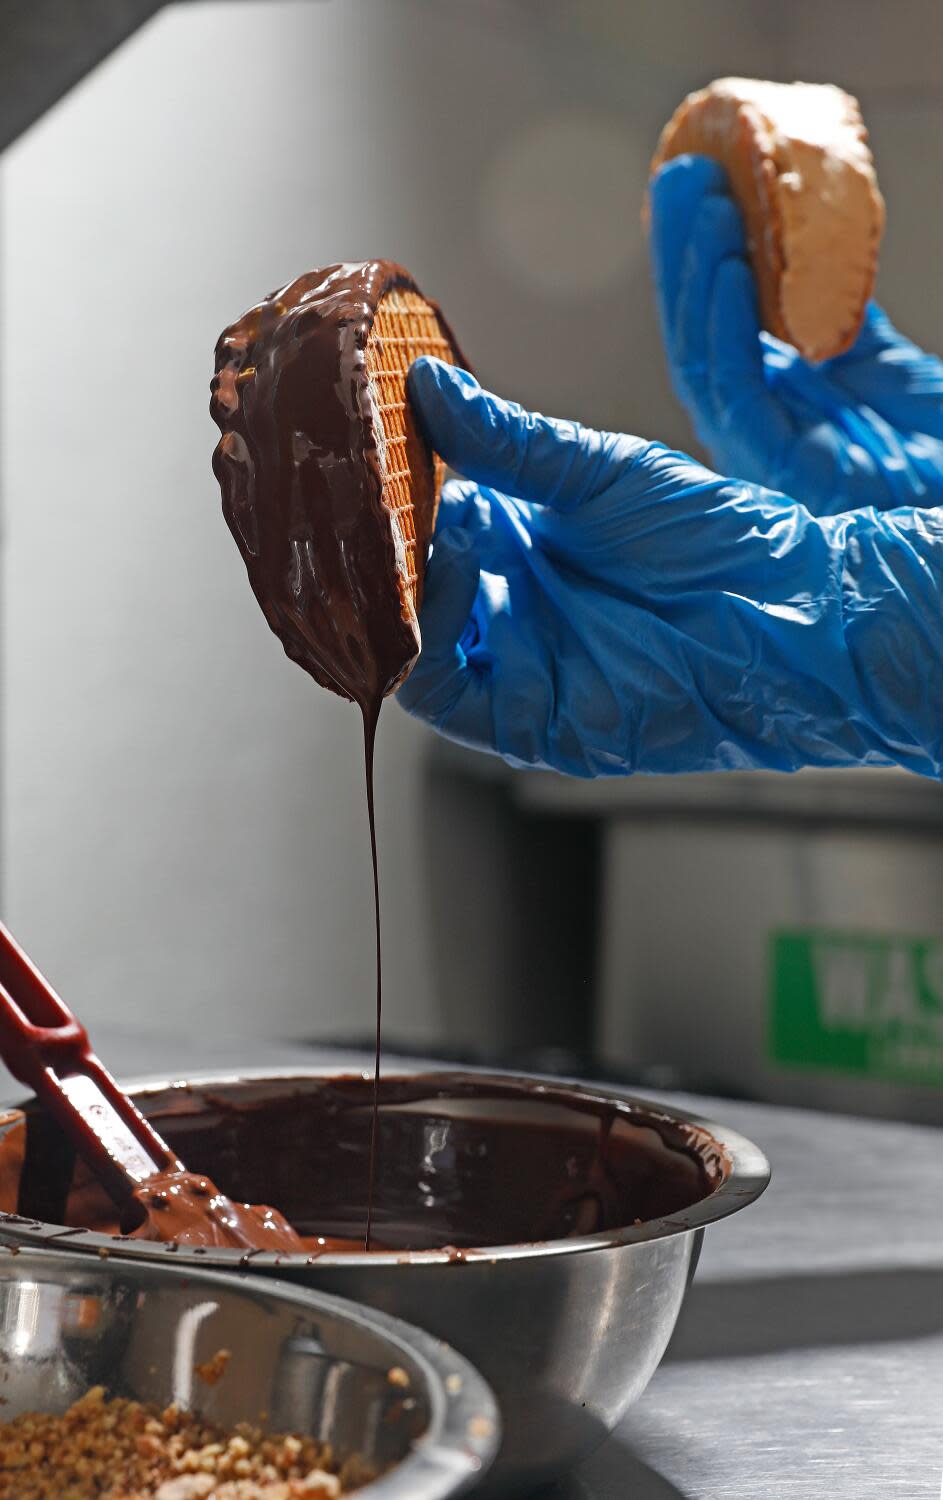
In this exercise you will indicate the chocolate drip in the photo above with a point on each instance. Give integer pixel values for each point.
(301, 472)
(369, 745)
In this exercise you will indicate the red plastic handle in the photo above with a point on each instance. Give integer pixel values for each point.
(36, 1029)
(45, 1047)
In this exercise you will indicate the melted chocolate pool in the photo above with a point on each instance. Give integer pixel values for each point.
(467, 1161)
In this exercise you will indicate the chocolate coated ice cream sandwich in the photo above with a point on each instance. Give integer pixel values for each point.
(328, 487)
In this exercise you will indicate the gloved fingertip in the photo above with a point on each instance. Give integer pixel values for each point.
(436, 389)
(430, 382)
(685, 178)
(719, 223)
(693, 220)
(428, 374)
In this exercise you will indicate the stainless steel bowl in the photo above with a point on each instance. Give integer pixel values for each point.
(567, 1332)
(300, 1362)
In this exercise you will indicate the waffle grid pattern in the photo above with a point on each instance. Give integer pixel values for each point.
(404, 328)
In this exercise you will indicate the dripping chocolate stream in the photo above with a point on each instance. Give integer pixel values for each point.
(370, 718)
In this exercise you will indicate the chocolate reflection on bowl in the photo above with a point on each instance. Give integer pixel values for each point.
(463, 1161)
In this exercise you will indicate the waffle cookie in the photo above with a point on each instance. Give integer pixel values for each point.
(328, 487)
(799, 166)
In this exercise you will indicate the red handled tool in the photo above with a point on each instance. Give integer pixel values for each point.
(45, 1047)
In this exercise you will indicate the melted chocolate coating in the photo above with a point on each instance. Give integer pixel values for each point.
(300, 471)
(465, 1162)
(190, 1210)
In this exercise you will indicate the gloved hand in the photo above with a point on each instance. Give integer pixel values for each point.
(863, 429)
(600, 605)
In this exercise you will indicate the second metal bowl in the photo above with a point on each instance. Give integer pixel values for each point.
(299, 1362)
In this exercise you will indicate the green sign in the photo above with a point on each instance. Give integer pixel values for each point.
(851, 1003)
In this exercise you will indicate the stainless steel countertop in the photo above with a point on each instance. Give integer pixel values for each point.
(808, 1361)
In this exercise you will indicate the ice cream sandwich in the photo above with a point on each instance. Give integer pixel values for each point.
(329, 489)
(799, 166)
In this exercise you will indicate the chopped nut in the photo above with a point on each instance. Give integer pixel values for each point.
(188, 1487)
(119, 1449)
(397, 1376)
(316, 1486)
(212, 1370)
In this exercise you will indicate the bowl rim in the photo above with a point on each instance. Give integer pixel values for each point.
(464, 1432)
(747, 1177)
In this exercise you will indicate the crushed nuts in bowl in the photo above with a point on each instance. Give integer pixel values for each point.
(117, 1449)
(128, 1381)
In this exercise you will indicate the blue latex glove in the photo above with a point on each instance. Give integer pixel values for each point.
(600, 605)
(863, 429)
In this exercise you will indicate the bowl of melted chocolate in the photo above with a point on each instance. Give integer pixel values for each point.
(548, 1231)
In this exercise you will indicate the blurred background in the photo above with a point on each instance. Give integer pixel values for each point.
(183, 840)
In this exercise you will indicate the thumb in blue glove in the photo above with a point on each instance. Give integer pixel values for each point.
(601, 605)
(863, 429)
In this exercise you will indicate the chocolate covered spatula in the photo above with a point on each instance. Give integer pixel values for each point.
(45, 1047)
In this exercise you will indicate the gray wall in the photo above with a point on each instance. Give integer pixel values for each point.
(182, 818)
